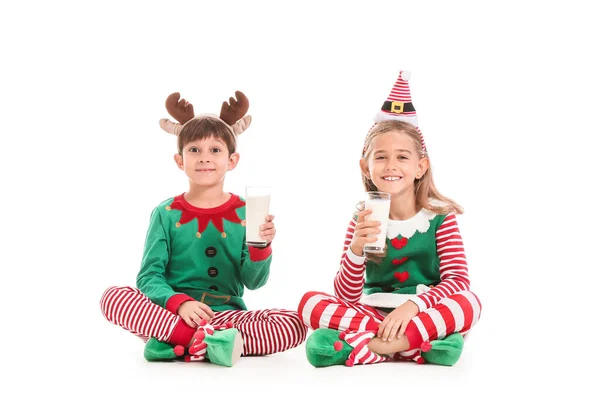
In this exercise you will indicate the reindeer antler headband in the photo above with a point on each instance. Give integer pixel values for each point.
(232, 113)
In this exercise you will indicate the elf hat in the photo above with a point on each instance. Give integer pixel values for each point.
(398, 106)
(232, 113)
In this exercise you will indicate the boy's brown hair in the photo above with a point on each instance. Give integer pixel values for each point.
(205, 127)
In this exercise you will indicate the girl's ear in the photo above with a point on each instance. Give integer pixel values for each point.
(233, 160)
(364, 167)
(423, 167)
(179, 161)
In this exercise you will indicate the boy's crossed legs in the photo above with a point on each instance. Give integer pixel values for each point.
(263, 331)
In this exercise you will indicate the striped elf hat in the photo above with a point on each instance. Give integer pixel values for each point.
(398, 106)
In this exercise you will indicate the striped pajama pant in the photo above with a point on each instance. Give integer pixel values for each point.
(456, 313)
(264, 331)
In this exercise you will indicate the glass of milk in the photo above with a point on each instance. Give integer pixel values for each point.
(257, 210)
(379, 204)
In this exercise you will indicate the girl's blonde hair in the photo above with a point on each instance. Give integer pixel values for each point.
(425, 190)
(205, 127)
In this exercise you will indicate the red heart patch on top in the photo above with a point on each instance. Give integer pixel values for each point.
(399, 243)
(401, 276)
(398, 261)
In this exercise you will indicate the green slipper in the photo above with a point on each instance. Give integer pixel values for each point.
(324, 348)
(161, 351)
(446, 351)
(224, 347)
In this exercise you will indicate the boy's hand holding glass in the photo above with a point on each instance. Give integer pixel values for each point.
(267, 230)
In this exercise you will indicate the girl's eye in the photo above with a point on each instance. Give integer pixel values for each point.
(403, 157)
(380, 158)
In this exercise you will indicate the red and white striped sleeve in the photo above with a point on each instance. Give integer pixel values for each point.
(350, 279)
(454, 275)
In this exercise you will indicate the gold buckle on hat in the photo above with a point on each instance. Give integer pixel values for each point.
(397, 107)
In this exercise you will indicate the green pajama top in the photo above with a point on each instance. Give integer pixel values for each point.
(200, 254)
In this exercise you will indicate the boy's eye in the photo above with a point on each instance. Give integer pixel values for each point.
(193, 150)
(380, 158)
(215, 150)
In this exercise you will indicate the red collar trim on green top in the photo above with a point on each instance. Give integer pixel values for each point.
(216, 215)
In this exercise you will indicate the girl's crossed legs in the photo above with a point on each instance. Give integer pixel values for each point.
(456, 313)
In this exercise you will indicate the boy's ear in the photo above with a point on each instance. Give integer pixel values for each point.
(178, 160)
(364, 167)
(233, 160)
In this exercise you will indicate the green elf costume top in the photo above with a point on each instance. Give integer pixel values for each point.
(200, 254)
(414, 260)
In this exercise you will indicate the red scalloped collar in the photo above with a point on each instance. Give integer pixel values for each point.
(216, 215)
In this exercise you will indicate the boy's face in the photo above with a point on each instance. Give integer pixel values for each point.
(205, 161)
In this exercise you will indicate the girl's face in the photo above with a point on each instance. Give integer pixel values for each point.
(393, 163)
(206, 161)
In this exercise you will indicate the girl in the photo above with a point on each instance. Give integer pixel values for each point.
(189, 296)
(412, 303)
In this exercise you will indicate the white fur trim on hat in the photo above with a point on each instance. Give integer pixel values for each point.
(381, 116)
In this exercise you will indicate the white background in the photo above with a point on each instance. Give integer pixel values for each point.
(507, 98)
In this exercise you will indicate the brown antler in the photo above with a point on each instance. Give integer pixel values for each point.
(236, 109)
(180, 109)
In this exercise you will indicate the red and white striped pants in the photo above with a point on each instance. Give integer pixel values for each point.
(456, 313)
(264, 331)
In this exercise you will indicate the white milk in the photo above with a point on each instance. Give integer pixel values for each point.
(380, 212)
(257, 209)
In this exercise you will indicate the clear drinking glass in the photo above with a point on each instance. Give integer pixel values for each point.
(257, 209)
(379, 204)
